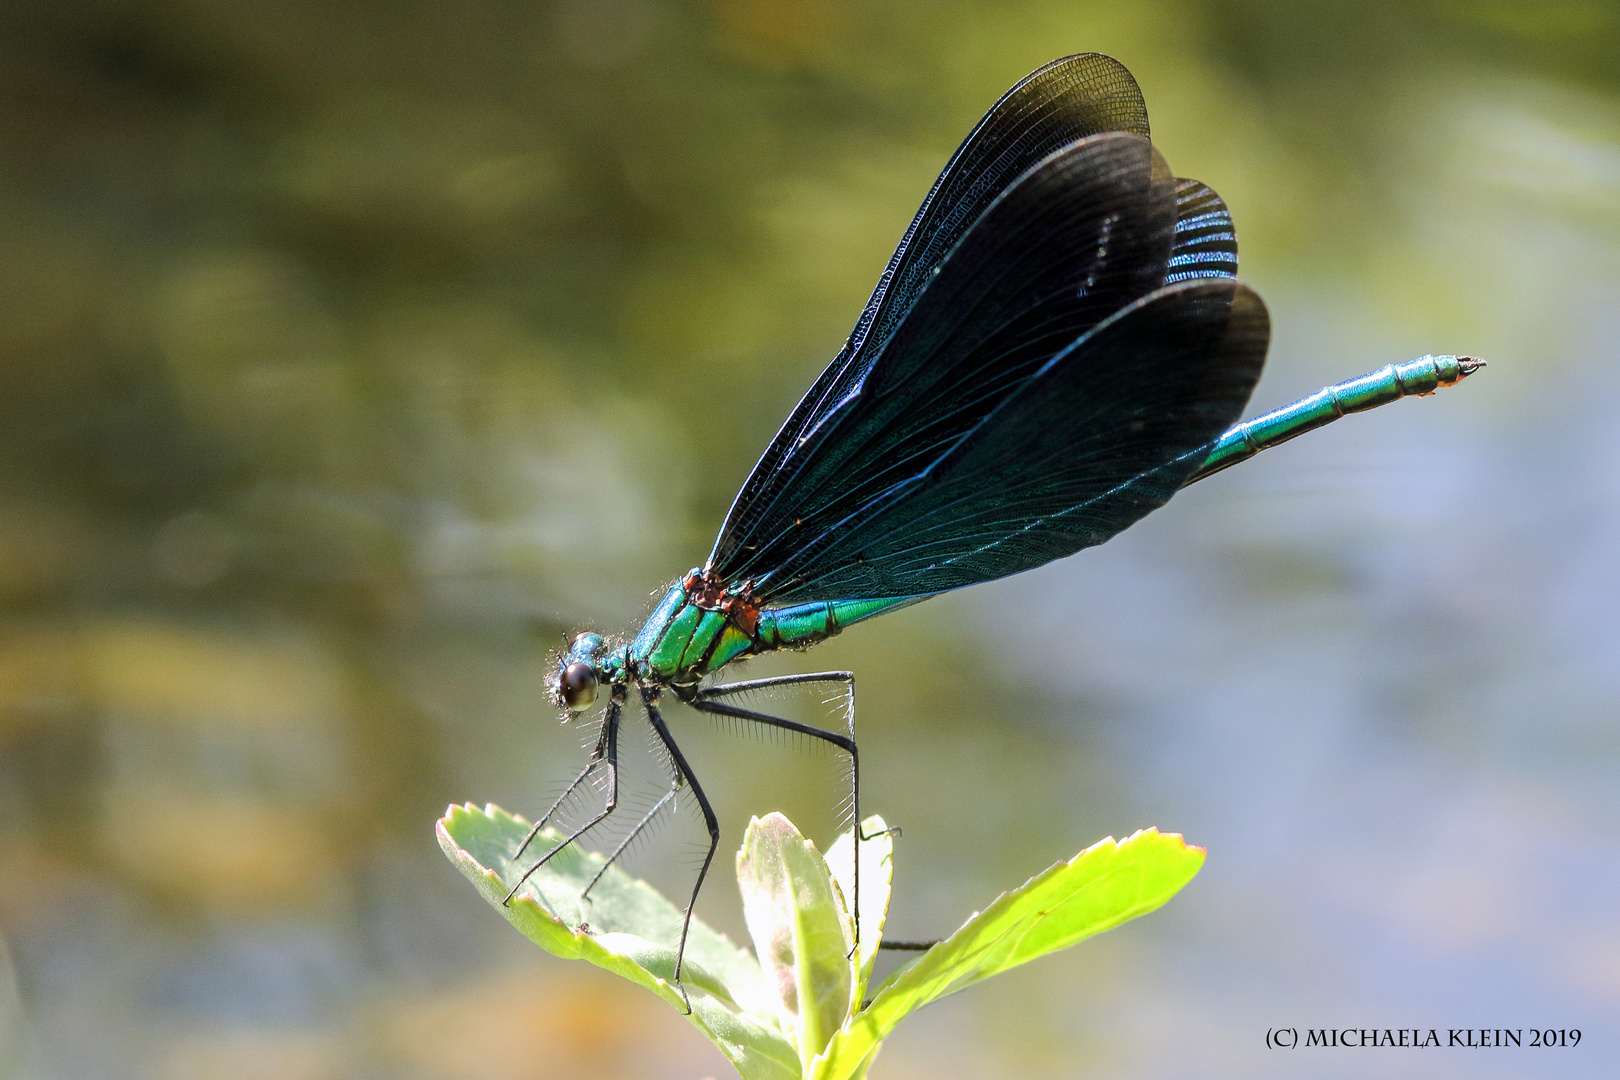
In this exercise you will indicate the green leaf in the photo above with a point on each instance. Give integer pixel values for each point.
(791, 1019)
(799, 927)
(626, 928)
(1105, 885)
(877, 871)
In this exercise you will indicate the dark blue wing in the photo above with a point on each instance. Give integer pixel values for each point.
(1104, 434)
(1067, 100)
(996, 294)
(1063, 102)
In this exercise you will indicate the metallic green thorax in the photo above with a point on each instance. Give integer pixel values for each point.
(682, 641)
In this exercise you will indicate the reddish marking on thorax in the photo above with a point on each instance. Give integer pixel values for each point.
(708, 593)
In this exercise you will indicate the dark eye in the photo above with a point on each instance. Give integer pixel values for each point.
(577, 686)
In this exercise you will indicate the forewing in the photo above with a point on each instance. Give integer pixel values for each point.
(1065, 101)
(1061, 103)
(1106, 432)
(1078, 237)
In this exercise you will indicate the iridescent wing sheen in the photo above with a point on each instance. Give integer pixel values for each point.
(1067, 100)
(1044, 351)
(1104, 434)
(1206, 243)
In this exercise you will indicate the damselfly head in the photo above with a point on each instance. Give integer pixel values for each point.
(574, 686)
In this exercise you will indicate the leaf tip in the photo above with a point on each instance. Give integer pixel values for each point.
(1173, 839)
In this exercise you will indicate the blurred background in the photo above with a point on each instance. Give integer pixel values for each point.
(352, 354)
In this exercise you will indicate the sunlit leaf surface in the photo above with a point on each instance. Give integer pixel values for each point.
(1103, 886)
(624, 928)
(801, 1016)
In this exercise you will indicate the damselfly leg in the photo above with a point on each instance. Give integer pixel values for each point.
(646, 819)
(606, 753)
(649, 701)
(708, 700)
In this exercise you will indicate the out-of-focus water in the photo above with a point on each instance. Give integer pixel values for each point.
(352, 355)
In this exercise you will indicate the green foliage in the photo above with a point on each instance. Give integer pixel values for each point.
(800, 1011)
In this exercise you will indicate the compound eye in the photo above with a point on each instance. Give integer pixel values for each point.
(577, 686)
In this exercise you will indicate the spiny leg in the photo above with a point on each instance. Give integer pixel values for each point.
(649, 701)
(585, 893)
(609, 747)
(597, 754)
(705, 700)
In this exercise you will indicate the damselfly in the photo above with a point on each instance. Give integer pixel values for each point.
(1058, 345)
